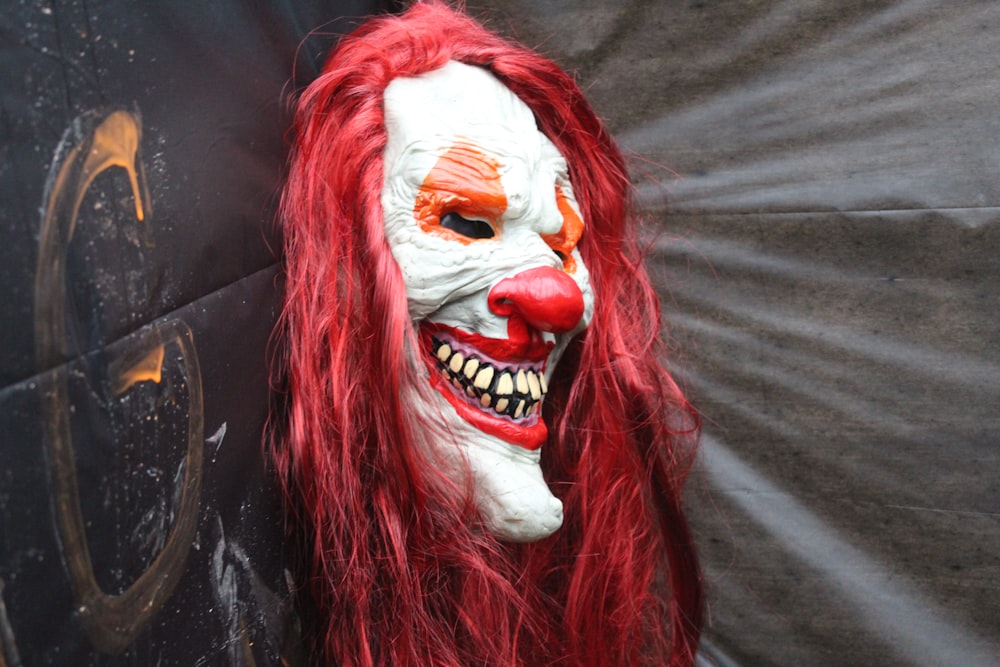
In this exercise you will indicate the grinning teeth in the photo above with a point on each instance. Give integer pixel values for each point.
(536, 389)
(514, 392)
(505, 385)
(456, 362)
(522, 382)
(484, 378)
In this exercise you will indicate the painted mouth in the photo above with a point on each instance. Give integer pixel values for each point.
(513, 391)
(495, 385)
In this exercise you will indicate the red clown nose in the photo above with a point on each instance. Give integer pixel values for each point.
(546, 298)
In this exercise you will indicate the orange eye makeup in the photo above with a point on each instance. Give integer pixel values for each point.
(563, 241)
(462, 199)
(464, 182)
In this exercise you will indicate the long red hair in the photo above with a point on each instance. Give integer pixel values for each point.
(398, 572)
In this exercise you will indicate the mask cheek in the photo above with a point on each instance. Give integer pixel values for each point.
(581, 276)
(471, 313)
(582, 279)
(436, 272)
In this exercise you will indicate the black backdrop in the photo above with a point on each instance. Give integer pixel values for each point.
(137, 523)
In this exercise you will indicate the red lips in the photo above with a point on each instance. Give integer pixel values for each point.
(495, 357)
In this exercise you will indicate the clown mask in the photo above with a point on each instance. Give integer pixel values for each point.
(481, 218)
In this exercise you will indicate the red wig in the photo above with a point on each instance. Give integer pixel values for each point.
(398, 572)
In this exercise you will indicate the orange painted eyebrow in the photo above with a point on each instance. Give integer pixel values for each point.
(463, 180)
(569, 234)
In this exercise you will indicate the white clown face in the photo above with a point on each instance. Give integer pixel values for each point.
(482, 220)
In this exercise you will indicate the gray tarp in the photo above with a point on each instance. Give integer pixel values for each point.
(824, 178)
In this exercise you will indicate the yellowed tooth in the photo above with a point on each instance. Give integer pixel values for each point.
(456, 362)
(505, 385)
(471, 366)
(485, 400)
(543, 384)
(444, 352)
(502, 405)
(536, 389)
(519, 410)
(484, 378)
(522, 382)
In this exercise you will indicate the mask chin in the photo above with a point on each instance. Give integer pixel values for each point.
(513, 499)
(505, 482)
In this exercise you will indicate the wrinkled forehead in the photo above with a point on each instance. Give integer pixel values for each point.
(428, 113)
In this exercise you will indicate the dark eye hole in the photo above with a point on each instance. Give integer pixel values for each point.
(474, 229)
